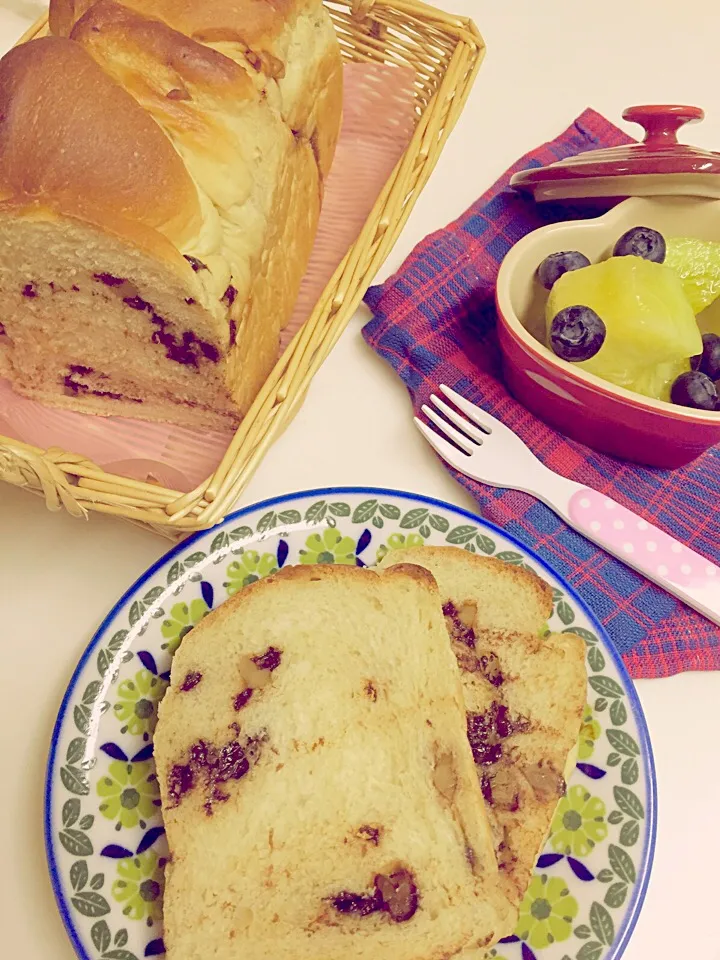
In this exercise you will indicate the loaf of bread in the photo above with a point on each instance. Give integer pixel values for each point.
(524, 692)
(161, 175)
(318, 788)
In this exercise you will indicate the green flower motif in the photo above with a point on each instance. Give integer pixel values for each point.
(248, 568)
(579, 823)
(329, 547)
(544, 630)
(183, 617)
(589, 733)
(139, 887)
(546, 913)
(492, 954)
(398, 540)
(136, 707)
(130, 793)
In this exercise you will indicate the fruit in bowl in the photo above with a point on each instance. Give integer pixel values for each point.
(694, 389)
(697, 263)
(709, 360)
(643, 242)
(629, 319)
(581, 404)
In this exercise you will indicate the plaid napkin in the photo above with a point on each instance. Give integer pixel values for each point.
(434, 322)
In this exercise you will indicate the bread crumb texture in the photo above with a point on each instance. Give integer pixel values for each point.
(319, 790)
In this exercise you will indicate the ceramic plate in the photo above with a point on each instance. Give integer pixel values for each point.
(104, 833)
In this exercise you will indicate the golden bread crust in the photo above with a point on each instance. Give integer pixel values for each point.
(113, 30)
(95, 151)
(257, 23)
(199, 134)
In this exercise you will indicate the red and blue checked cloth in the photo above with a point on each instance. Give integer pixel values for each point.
(434, 322)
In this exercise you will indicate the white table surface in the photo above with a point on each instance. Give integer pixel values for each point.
(58, 576)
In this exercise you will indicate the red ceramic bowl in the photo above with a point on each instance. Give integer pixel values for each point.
(579, 404)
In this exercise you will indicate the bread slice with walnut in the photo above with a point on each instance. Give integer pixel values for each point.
(524, 695)
(318, 789)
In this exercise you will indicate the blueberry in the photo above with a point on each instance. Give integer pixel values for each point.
(576, 333)
(554, 266)
(641, 242)
(695, 389)
(708, 362)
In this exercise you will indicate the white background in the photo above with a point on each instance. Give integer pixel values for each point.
(58, 577)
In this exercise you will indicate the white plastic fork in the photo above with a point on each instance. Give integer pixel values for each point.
(490, 452)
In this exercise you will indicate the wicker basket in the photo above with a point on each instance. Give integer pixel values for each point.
(445, 53)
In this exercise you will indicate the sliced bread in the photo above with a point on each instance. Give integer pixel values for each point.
(318, 789)
(524, 695)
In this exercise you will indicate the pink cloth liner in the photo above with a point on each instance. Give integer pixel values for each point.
(379, 117)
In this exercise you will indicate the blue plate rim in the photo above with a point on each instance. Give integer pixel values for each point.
(633, 911)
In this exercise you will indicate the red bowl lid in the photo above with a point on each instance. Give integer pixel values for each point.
(638, 169)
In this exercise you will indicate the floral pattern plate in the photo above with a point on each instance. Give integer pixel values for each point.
(104, 834)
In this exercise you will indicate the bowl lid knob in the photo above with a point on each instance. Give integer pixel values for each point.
(661, 122)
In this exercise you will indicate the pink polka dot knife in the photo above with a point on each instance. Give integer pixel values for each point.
(481, 447)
